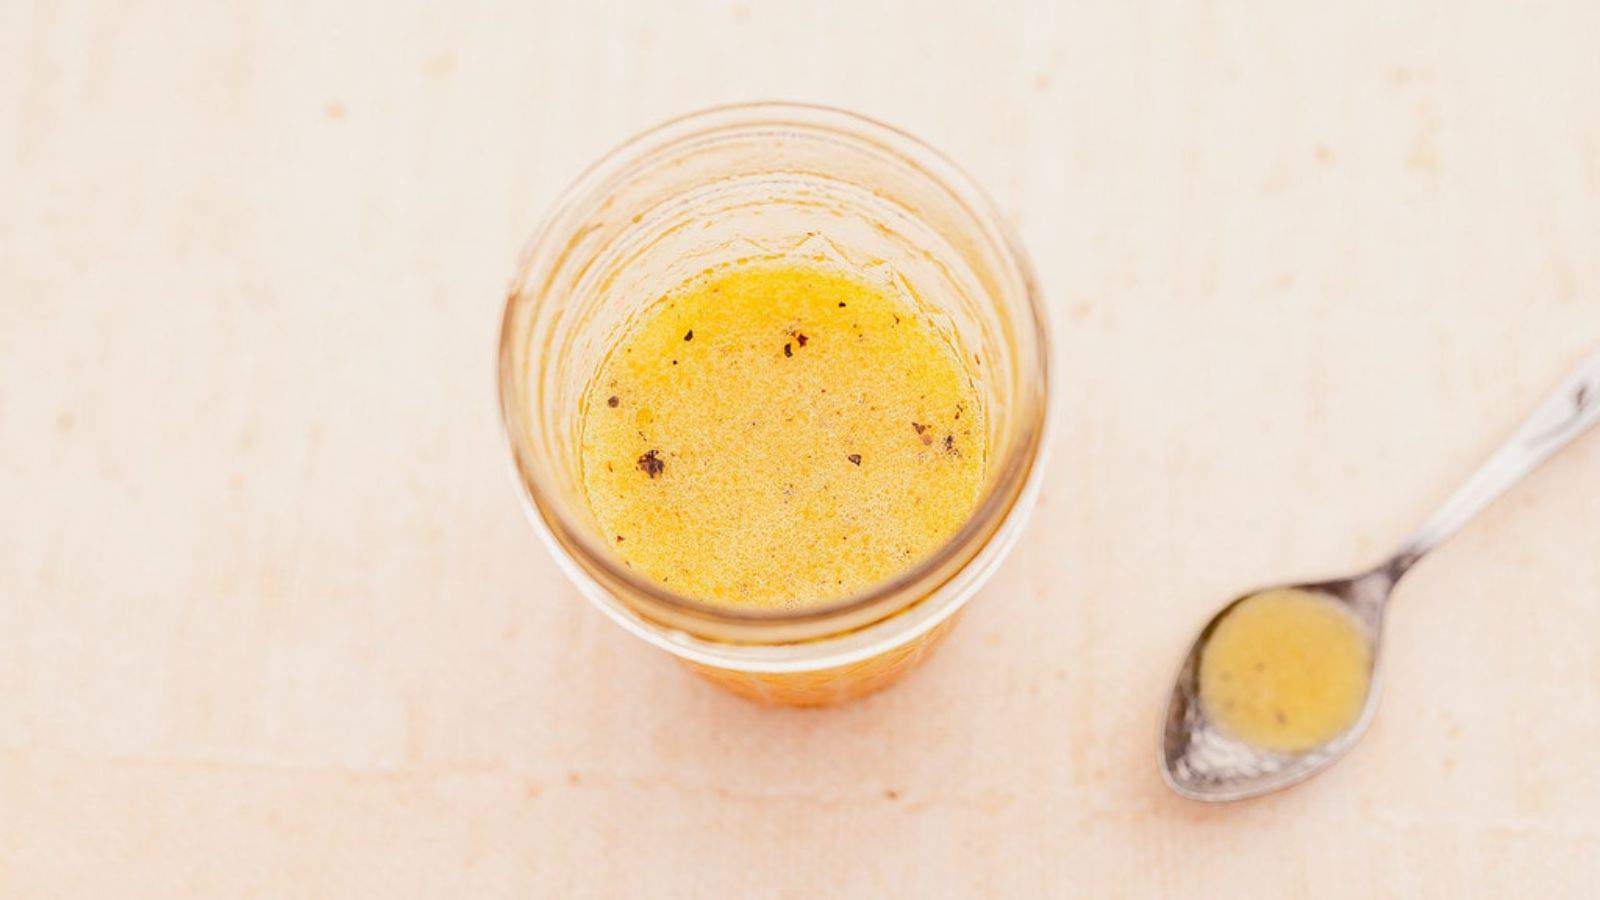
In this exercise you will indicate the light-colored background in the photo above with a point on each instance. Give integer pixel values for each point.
(271, 622)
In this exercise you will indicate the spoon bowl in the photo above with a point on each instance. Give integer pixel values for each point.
(1202, 761)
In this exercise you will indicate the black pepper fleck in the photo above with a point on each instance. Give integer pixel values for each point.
(651, 463)
(689, 336)
(787, 351)
(855, 458)
(801, 338)
(613, 400)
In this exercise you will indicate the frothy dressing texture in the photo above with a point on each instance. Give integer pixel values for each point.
(779, 435)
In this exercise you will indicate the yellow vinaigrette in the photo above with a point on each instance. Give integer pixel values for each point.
(778, 435)
(1286, 670)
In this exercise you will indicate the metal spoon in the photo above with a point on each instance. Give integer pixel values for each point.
(1202, 762)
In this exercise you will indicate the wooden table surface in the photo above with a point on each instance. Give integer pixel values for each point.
(271, 622)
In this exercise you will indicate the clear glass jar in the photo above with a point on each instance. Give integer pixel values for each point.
(761, 181)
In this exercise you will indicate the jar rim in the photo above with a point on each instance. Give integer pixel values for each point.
(591, 565)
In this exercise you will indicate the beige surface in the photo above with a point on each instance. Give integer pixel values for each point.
(271, 623)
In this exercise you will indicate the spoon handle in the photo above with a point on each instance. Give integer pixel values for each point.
(1568, 412)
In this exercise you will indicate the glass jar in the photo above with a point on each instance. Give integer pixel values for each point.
(762, 181)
